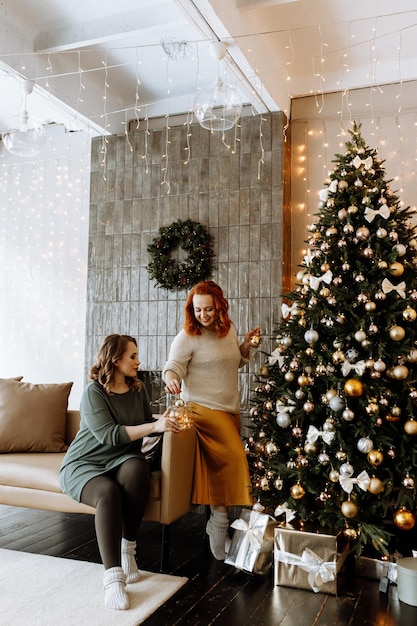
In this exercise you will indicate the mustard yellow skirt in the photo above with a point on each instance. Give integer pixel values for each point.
(221, 474)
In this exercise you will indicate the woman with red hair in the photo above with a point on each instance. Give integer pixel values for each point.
(203, 366)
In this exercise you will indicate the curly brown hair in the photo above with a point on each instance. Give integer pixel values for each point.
(103, 370)
(207, 288)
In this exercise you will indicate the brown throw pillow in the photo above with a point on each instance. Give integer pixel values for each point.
(33, 417)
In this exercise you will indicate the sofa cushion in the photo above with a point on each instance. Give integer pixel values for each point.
(33, 417)
(31, 471)
(41, 472)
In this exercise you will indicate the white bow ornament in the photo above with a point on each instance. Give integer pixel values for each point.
(283, 508)
(288, 310)
(370, 214)
(358, 367)
(367, 163)
(362, 480)
(276, 357)
(314, 433)
(325, 278)
(387, 287)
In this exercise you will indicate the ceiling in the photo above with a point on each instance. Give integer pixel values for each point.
(98, 64)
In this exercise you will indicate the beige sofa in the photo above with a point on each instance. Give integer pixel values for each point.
(30, 479)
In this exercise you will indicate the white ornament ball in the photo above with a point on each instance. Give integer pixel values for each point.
(283, 420)
(365, 445)
(311, 336)
(346, 470)
(360, 335)
(336, 403)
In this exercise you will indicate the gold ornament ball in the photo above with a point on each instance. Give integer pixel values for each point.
(353, 387)
(310, 448)
(376, 486)
(349, 508)
(400, 372)
(397, 333)
(297, 491)
(255, 341)
(410, 427)
(409, 314)
(396, 269)
(334, 476)
(370, 307)
(375, 457)
(338, 357)
(303, 381)
(350, 533)
(404, 519)
(264, 371)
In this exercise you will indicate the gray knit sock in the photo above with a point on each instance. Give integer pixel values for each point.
(216, 529)
(129, 564)
(114, 582)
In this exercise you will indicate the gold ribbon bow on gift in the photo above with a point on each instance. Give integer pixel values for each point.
(319, 571)
(362, 480)
(325, 278)
(283, 508)
(367, 163)
(387, 287)
(370, 214)
(358, 367)
(252, 537)
(314, 433)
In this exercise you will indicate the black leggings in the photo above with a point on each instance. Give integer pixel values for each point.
(120, 498)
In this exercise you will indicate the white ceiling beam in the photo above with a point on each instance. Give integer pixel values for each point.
(100, 31)
(202, 14)
(256, 4)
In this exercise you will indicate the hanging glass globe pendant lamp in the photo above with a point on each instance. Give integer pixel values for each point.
(26, 136)
(218, 108)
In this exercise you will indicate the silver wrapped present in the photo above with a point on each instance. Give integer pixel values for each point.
(252, 544)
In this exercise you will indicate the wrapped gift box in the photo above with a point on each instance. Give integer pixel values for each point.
(252, 544)
(309, 560)
(376, 569)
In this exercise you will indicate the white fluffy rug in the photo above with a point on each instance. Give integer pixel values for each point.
(38, 590)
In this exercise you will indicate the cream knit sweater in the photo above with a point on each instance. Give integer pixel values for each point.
(208, 368)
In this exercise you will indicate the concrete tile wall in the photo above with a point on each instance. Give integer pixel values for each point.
(212, 184)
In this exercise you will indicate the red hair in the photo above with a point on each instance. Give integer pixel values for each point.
(222, 322)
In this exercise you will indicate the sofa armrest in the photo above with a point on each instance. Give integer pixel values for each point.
(177, 468)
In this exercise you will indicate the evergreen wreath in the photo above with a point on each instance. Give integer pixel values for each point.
(194, 239)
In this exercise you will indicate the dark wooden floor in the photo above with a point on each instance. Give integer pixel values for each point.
(215, 593)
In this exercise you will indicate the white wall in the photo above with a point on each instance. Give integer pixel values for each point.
(44, 209)
(319, 130)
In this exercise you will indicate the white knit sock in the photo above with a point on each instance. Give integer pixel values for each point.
(216, 529)
(114, 582)
(129, 564)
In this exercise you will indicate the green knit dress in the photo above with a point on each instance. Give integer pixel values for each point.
(102, 442)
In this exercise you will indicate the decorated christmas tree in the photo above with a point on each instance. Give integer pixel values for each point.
(334, 437)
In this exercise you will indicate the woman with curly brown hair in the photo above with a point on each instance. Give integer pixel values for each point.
(203, 365)
(104, 465)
